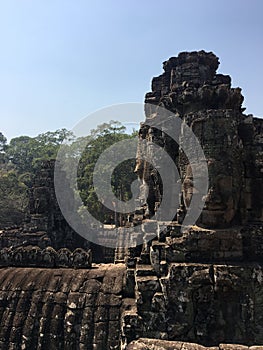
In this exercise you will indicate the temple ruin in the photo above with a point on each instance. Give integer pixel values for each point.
(200, 288)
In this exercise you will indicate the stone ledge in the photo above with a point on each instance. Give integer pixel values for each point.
(158, 344)
(33, 256)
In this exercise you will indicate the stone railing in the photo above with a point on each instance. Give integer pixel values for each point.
(33, 256)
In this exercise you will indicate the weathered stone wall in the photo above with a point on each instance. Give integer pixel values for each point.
(44, 225)
(61, 308)
(153, 344)
(203, 303)
(45, 214)
(201, 284)
(182, 287)
(231, 141)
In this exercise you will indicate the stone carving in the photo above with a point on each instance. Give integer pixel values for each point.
(64, 258)
(223, 148)
(190, 88)
(48, 257)
(44, 212)
(45, 225)
(201, 285)
(200, 288)
(81, 258)
(33, 256)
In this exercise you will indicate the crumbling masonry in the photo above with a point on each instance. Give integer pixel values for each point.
(181, 288)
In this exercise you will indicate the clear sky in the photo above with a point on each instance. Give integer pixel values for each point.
(63, 59)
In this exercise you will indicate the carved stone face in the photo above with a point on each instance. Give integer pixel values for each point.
(217, 132)
(222, 199)
(220, 208)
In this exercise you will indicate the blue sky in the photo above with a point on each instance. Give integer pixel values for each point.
(63, 59)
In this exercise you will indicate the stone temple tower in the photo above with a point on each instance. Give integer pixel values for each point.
(231, 141)
(203, 284)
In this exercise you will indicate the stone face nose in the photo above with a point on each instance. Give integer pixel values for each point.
(212, 197)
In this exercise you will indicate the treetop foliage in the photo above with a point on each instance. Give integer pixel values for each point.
(20, 158)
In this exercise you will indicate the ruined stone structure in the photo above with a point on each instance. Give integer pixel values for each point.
(43, 308)
(189, 289)
(44, 211)
(203, 284)
(231, 140)
(48, 257)
(44, 225)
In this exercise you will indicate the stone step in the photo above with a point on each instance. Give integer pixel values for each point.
(147, 284)
(144, 259)
(145, 270)
(120, 254)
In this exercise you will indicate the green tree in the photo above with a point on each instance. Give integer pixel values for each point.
(21, 151)
(25, 151)
(3, 145)
(100, 139)
(3, 142)
(13, 198)
(19, 160)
